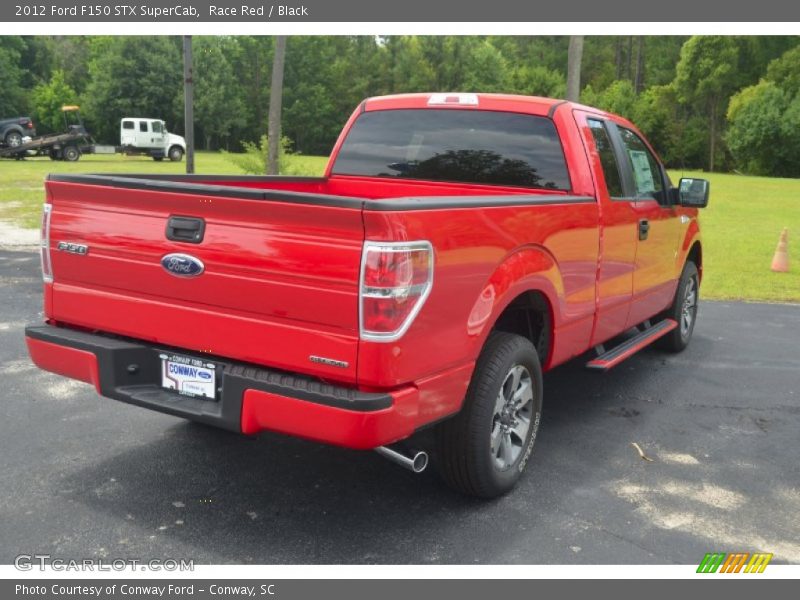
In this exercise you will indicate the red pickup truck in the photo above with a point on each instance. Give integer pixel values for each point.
(457, 246)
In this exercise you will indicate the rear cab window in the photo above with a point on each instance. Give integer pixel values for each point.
(457, 146)
(143, 126)
(127, 124)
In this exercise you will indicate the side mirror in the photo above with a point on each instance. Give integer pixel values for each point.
(692, 193)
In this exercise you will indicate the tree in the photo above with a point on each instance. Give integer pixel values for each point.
(574, 56)
(133, 77)
(12, 92)
(48, 98)
(485, 70)
(618, 98)
(785, 71)
(219, 107)
(763, 131)
(706, 78)
(538, 81)
(275, 99)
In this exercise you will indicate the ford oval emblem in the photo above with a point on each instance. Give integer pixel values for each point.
(182, 265)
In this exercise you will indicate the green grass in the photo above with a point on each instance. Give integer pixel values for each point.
(740, 226)
(740, 229)
(22, 182)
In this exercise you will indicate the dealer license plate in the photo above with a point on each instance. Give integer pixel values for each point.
(188, 376)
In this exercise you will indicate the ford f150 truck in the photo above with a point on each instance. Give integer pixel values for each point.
(457, 246)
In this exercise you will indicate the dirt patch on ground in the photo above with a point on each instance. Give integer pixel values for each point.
(13, 237)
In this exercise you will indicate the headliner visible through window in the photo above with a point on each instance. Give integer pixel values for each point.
(464, 146)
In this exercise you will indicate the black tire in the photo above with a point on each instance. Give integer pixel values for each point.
(71, 154)
(683, 310)
(13, 139)
(466, 454)
(158, 158)
(175, 153)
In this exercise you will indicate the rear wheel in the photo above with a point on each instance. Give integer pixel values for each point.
(484, 449)
(13, 139)
(683, 310)
(71, 154)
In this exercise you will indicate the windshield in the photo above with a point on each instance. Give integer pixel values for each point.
(464, 146)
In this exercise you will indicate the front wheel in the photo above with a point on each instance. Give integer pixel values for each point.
(484, 449)
(175, 153)
(683, 310)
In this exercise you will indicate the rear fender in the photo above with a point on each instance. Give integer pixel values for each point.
(531, 268)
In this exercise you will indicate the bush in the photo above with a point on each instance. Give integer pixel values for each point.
(254, 159)
(618, 98)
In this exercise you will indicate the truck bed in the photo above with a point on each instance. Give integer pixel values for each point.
(282, 262)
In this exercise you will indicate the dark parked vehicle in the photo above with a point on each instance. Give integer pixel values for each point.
(13, 130)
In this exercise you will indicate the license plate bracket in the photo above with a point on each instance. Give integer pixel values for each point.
(189, 376)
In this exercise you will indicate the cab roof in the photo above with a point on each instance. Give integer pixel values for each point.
(533, 105)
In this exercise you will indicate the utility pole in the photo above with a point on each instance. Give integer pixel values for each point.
(188, 102)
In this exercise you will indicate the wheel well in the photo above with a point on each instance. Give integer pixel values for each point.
(528, 315)
(696, 256)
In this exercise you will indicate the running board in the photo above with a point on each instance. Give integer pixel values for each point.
(629, 347)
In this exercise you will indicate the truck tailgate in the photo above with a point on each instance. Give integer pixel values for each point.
(280, 278)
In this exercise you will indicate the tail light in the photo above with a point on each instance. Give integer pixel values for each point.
(44, 250)
(29, 125)
(396, 278)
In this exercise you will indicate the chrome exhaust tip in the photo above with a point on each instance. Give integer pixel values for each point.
(416, 463)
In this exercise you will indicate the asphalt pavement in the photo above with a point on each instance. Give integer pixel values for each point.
(85, 477)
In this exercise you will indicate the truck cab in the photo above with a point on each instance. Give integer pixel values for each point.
(150, 136)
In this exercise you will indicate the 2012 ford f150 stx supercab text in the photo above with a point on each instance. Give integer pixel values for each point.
(457, 246)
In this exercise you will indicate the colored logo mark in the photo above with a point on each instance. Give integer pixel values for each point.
(735, 562)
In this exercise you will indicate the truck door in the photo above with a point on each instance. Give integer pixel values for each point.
(618, 219)
(658, 227)
(159, 135)
(143, 135)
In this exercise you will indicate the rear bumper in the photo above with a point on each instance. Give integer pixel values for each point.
(249, 399)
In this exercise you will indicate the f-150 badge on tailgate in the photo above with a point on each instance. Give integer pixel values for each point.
(73, 248)
(182, 265)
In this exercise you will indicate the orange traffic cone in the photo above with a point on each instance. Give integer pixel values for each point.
(780, 262)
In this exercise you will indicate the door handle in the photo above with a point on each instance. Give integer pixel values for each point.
(186, 229)
(644, 228)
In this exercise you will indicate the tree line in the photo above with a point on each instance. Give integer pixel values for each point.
(710, 102)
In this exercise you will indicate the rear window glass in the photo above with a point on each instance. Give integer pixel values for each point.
(453, 145)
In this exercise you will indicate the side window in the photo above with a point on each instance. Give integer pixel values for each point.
(156, 127)
(608, 160)
(645, 167)
(143, 126)
(127, 124)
